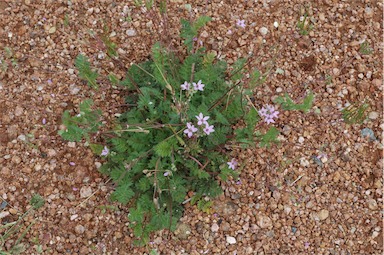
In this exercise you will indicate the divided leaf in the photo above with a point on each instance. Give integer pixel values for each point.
(83, 66)
(123, 193)
(288, 104)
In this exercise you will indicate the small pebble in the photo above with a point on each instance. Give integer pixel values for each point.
(373, 115)
(231, 240)
(323, 214)
(368, 12)
(263, 31)
(131, 32)
(85, 192)
(214, 227)
(13, 211)
(4, 214)
(52, 30)
(276, 24)
(372, 204)
(73, 217)
(79, 229)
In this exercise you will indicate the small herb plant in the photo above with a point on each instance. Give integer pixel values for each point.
(173, 143)
(365, 48)
(355, 113)
(304, 24)
(13, 228)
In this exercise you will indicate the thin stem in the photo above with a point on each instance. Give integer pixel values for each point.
(221, 98)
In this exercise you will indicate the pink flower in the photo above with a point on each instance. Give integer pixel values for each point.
(232, 164)
(268, 113)
(190, 129)
(185, 86)
(202, 120)
(198, 86)
(105, 151)
(240, 23)
(208, 129)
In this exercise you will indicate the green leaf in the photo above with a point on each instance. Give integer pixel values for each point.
(236, 73)
(255, 79)
(119, 144)
(269, 137)
(72, 134)
(143, 184)
(113, 79)
(123, 193)
(136, 215)
(96, 148)
(165, 147)
(189, 31)
(251, 118)
(288, 104)
(83, 66)
(355, 113)
(138, 230)
(37, 201)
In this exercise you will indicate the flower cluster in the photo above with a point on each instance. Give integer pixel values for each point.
(196, 86)
(201, 121)
(269, 113)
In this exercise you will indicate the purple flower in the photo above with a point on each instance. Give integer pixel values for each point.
(208, 129)
(44, 121)
(198, 86)
(166, 173)
(268, 113)
(202, 120)
(105, 151)
(240, 23)
(190, 129)
(72, 163)
(185, 86)
(232, 164)
(49, 81)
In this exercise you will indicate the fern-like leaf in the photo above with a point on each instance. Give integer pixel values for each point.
(288, 104)
(83, 66)
(123, 193)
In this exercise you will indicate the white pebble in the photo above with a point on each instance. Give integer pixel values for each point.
(231, 240)
(275, 24)
(73, 217)
(373, 115)
(214, 227)
(304, 162)
(131, 32)
(98, 165)
(263, 31)
(4, 214)
(85, 192)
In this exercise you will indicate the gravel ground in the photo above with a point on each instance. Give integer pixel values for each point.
(318, 192)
